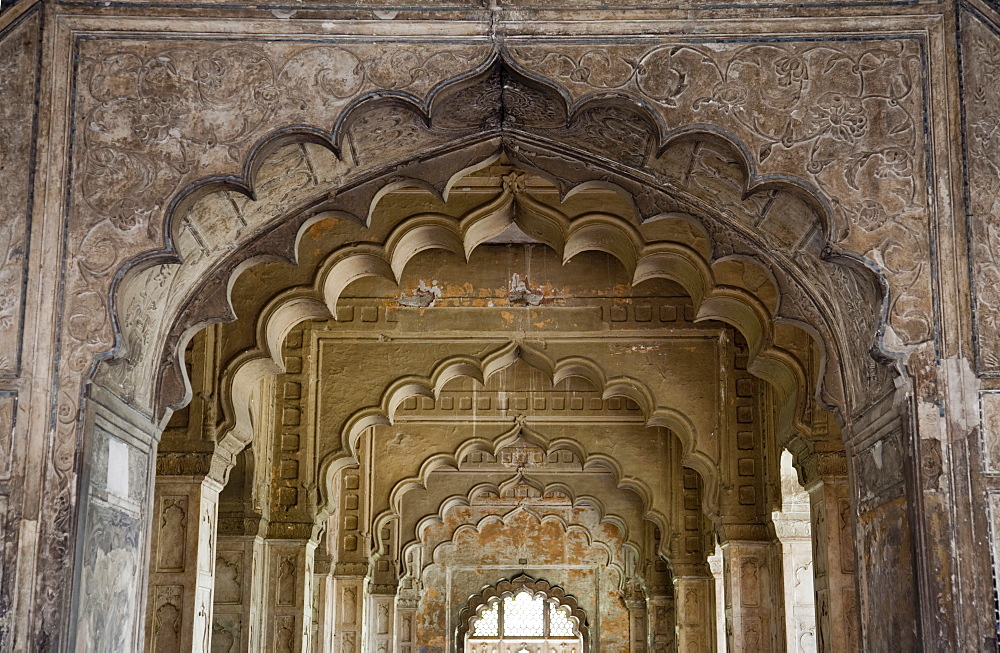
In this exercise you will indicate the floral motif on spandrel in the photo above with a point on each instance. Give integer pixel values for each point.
(152, 119)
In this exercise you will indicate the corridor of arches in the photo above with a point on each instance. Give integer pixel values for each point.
(508, 420)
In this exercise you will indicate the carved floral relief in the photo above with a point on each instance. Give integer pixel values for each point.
(846, 116)
(153, 117)
(981, 73)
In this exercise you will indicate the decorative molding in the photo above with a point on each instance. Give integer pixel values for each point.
(240, 524)
(350, 569)
(745, 533)
(382, 589)
(183, 464)
(277, 530)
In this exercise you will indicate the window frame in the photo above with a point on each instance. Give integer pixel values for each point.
(535, 587)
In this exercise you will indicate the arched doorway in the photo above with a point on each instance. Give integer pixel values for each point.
(531, 436)
(707, 257)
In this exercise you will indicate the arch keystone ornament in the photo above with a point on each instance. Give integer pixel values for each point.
(798, 175)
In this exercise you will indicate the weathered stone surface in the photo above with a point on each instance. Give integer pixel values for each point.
(787, 180)
(19, 52)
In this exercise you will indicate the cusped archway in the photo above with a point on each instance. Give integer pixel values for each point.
(801, 284)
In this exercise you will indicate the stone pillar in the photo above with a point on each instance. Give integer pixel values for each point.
(288, 593)
(182, 563)
(381, 602)
(239, 591)
(662, 624)
(694, 604)
(792, 527)
(797, 579)
(833, 564)
(323, 600)
(753, 598)
(635, 602)
(113, 531)
(348, 596)
(406, 621)
(717, 567)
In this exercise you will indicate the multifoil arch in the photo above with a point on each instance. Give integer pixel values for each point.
(546, 148)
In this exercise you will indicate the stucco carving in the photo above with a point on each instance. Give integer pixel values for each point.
(811, 149)
(764, 93)
(980, 65)
(725, 169)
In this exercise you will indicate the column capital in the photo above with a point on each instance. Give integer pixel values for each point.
(241, 524)
(691, 570)
(382, 589)
(291, 530)
(745, 533)
(822, 467)
(203, 466)
(183, 463)
(350, 569)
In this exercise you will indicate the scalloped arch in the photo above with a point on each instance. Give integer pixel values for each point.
(458, 500)
(681, 261)
(611, 565)
(480, 370)
(354, 194)
(419, 480)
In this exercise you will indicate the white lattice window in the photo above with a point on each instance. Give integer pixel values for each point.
(560, 625)
(488, 623)
(523, 615)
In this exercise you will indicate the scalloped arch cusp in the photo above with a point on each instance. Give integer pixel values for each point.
(480, 369)
(455, 460)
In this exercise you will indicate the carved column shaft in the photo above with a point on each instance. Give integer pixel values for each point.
(381, 620)
(797, 580)
(289, 595)
(239, 593)
(348, 596)
(718, 576)
(323, 603)
(753, 598)
(833, 565)
(638, 623)
(694, 601)
(182, 564)
(406, 621)
(662, 623)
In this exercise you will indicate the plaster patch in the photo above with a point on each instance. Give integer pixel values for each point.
(423, 296)
(117, 480)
